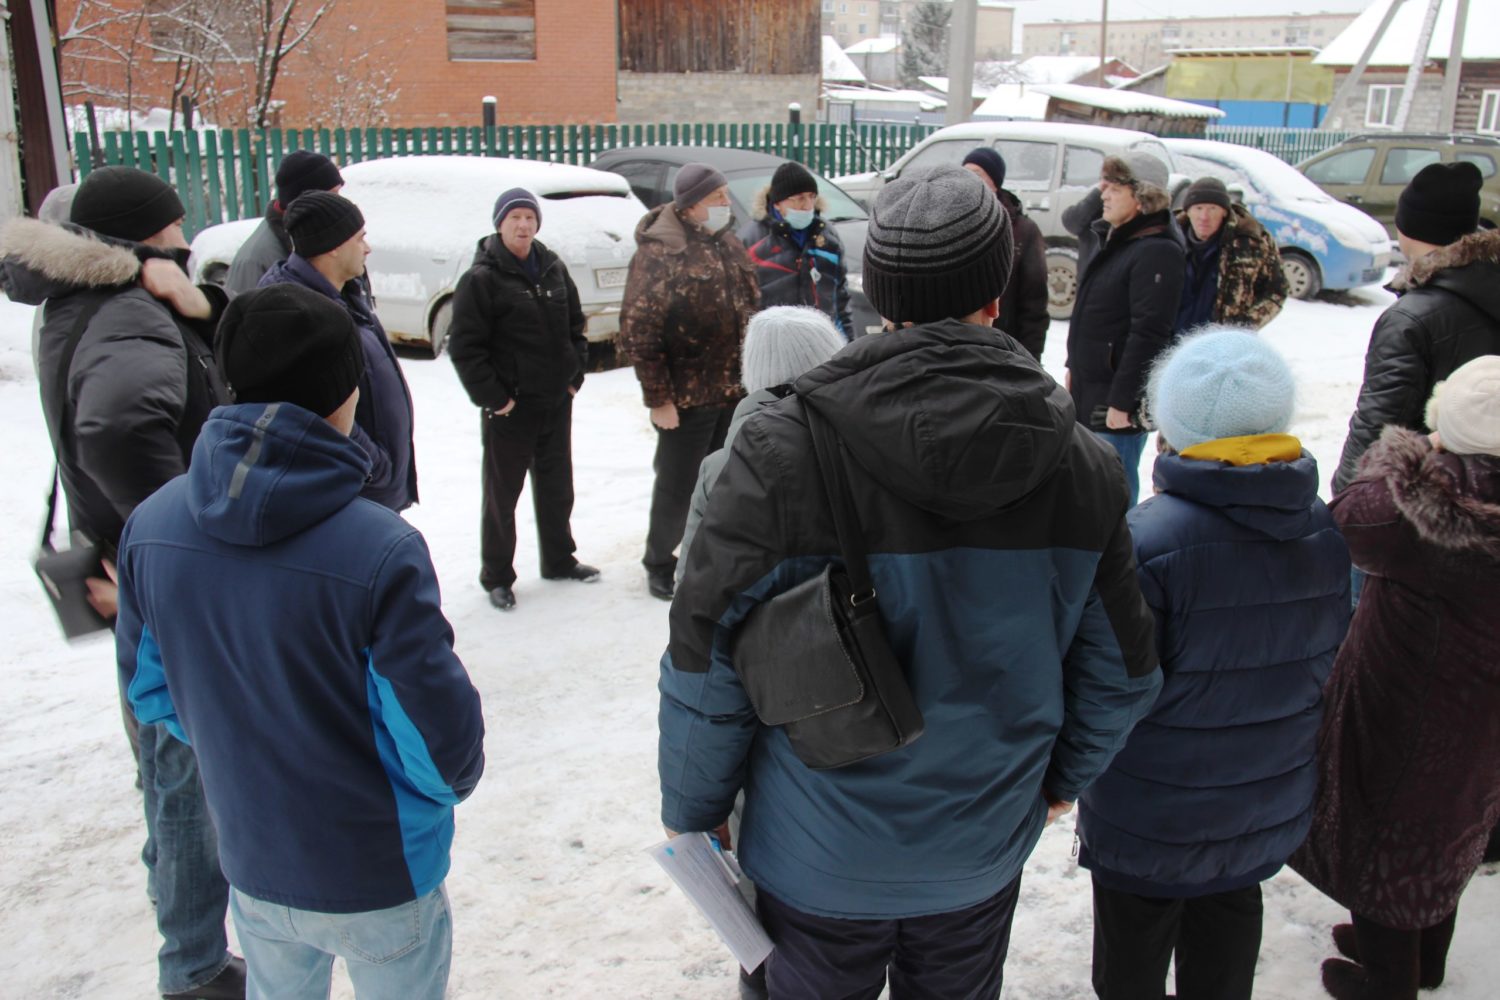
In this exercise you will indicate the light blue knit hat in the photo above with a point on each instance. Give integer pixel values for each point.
(1223, 382)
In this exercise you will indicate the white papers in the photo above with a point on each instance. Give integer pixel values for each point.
(707, 875)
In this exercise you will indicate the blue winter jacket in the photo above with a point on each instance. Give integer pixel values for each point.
(292, 632)
(1248, 578)
(384, 417)
(1001, 560)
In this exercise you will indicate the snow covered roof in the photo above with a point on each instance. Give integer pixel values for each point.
(1249, 50)
(837, 65)
(880, 95)
(1127, 102)
(1058, 69)
(874, 46)
(940, 84)
(1014, 100)
(1398, 47)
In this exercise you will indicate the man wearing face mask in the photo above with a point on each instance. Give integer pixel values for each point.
(798, 256)
(690, 292)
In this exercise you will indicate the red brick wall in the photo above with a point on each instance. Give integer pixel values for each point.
(571, 80)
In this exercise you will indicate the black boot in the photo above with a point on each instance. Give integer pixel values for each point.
(1433, 952)
(503, 598)
(229, 984)
(1390, 965)
(660, 583)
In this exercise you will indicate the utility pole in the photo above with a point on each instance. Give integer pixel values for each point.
(1455, 68)
(1335, 119)
(1418, 60)
(1103, 38)
(962, 24)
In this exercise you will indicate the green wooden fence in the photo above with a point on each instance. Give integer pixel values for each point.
(229, 174)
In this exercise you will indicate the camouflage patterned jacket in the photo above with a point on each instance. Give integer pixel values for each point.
(687, 300)
(1251, 285)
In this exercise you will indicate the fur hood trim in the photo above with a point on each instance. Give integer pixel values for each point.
(760, 210)
(1435, 491)
(67, 255)
(1482, 247)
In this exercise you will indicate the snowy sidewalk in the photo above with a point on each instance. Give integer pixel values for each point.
(553, 893)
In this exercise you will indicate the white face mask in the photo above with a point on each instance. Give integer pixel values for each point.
(718, 217)
(799, 218)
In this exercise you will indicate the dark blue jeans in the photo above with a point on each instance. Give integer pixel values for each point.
(1130, 447)
(182, 854)
(944, 956)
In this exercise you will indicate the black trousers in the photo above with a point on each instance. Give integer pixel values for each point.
(945, 956)
(679, 452)
(1216, 938)
(535, 437)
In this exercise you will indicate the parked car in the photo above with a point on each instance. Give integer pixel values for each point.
(1324, 244)
(1048, 165)
(1369, 171)
(425, 215)
(652, 170)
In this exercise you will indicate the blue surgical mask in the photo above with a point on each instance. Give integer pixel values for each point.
(799, 218)
(718, 217)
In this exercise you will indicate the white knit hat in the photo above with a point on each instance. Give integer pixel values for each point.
(783, 343)
(1466, 408)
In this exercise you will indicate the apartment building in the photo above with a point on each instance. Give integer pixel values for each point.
(1144, 44)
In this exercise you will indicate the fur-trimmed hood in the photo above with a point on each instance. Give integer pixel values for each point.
(44, 261)
(760, 208)
(1482, 247)
(1453, 501)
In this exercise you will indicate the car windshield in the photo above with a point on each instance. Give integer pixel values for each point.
(841, 208)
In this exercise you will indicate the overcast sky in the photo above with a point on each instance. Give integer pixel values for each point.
(1135, 10)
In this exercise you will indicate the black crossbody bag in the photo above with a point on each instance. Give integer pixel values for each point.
(815, 660)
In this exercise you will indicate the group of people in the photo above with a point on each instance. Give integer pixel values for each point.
(1184, 671)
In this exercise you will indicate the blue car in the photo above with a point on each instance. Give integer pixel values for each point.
(1324, 243)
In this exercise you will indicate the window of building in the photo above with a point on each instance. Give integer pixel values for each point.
(828, 6)
(1489, 112)
(1381, 105)
(843, 8)
(863, 8)
(864, 29)
(491, 30)
(1298, 35)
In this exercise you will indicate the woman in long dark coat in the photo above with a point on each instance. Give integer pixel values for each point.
(1410, 746)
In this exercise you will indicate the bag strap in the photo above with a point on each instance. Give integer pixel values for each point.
(64, 370)
(827, 448)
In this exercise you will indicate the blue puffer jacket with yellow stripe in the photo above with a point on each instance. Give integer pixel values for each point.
(1248, 578)
(292, 632)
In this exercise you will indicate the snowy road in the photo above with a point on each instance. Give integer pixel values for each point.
(552, 891)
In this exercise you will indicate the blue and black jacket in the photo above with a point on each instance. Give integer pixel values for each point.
(1248, 578)
(996, 531)
(292, 632)
(799, 267)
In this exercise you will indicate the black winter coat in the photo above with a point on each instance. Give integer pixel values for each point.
(785, 267)
(1125, 311)
(124, 416)
(1023, 305)
(512, 337)
(1448, 314)
(1079, 219)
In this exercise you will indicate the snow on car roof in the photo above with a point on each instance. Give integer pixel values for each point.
(1126, 101)
(1064, 131)
(448, 173)
(1269, 172)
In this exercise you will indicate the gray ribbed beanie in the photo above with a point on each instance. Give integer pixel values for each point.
(783, 343)
(939, 246)
(695, 181)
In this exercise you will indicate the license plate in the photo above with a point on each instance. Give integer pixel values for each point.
(611, 277)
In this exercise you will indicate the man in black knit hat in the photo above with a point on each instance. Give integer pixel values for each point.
(127, 379)
(328, 256)
(1448, 312)
(798, 256)
(994, 526)
(300, 170)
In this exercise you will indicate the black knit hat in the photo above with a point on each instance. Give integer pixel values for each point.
(988, 159)
(695, 181)
(1207, 191)
(790, 180)
(288, 344)
(1441, 204)
(303, 170)
(320, 221)
(125, 203)
(939, 246)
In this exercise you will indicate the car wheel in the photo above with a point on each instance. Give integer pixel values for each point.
(1303, 279)
(437, 330)
(1062, 281)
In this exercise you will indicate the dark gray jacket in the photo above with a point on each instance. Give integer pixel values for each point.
(268, 246)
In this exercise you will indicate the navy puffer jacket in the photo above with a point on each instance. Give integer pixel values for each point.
(1248, 578)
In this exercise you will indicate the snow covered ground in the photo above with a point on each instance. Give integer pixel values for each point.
(552, 891)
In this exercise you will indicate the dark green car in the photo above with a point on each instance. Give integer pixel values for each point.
(1369, 171)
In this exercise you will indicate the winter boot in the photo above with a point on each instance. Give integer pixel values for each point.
(229, 984)
(1390, 968)
(1434, 950)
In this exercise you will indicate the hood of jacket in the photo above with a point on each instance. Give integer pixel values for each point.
(262, 472)
(949, 416)
(663, 227)
(1012, 204)
(1274, 497)
(44, 261)
(760, 205)
(1453, 501)
(1469, 268)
